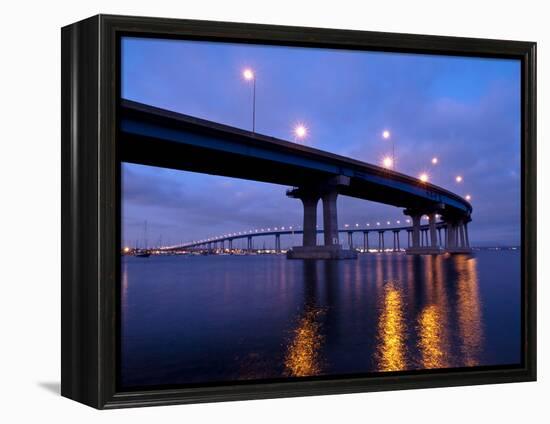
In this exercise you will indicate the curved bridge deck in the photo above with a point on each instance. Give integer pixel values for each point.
(158, 137)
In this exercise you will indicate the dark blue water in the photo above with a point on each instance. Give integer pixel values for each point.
(199, 319)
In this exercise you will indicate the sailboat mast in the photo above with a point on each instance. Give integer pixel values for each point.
(145, 235)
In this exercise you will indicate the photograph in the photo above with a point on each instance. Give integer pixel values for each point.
(296, 213)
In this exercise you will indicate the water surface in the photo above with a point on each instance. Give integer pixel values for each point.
(200, 319)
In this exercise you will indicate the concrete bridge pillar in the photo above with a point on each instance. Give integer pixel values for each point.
(277, 243)
(366, 241)
(328, 191)
(381, 246)
(461, 238)
(464, 239)
(409, 234)
(433, 234)
(310, 219)
(416, 230)
(350, 239)
(249, 242)
(330, 218)
(423, 241)
(457, 235)
(451, 235)
(439, 237)
(230, 241)
(396, 247)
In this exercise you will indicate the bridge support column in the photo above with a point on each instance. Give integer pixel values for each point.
(396, 246)
(230, 242)
(433, 232)
(416, 230)
(365, 241)
(328, 192)
(310, 219)
(277, 243)
(350, 239)
(424, 240)
(461, 237)
(381, 246)
(249, 243)
(457, 238)
(330, 219)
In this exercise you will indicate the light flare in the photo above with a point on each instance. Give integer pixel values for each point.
(248, 74)
(300, 131)
(387, 162)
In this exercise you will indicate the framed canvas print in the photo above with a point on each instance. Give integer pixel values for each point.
(255, 211)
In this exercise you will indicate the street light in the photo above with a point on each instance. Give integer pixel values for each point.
(300, 132)
(458, 179)
(387, 162)
(468, 197)
(249, 75)
(424, 177)
(435, 160)
(386, 135)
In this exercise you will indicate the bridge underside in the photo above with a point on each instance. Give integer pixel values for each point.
(148, 151)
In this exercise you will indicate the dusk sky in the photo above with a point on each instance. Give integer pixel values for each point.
(464, 111)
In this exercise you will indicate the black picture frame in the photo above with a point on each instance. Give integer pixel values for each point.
(91, 206)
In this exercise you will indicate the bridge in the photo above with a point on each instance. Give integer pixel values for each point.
(158, 137)
(225, 241)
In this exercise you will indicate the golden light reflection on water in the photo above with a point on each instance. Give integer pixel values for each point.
(124, 286)
(433, 319)
(302, 356)
(430, 342)
(470, 320)
(391, 353)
